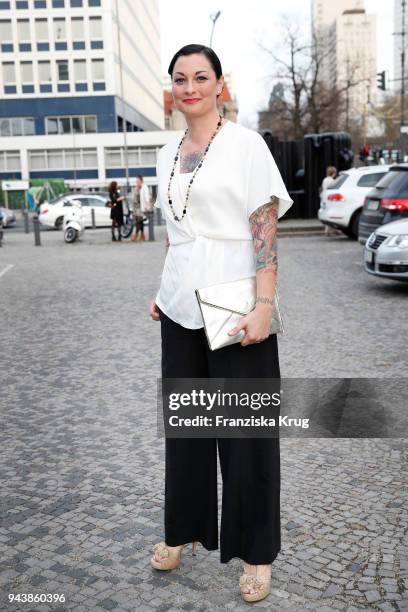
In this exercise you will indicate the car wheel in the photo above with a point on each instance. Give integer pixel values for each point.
(353, 227)
(58, 223)
(70, 234)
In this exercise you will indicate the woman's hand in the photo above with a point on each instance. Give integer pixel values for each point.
(154, 311)
(256, 324)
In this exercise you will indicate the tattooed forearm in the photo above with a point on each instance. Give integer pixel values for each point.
(189, 161)
(263, 227)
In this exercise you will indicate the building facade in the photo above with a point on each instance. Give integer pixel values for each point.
(60, 66)
(71, 73)
(347, 37)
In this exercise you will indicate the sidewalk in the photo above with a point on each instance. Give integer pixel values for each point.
(82, 470)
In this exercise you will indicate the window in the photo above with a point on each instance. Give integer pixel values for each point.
(369, 180)
(37, 160)
(64, 125)
(51, 125)
(27, 72)
(41, 29)
(9, 73)
(137, 156)
(17, 126)
(68, 125)
(388, 179)
(95, 27)
(23, 30)
(9, 160)
(60, 32)
(55, 159)
(98, 72)
(61, 159)
(77, 125)
(63, 74)
(5, 127)
(148, 157)
(338, 182)
(90, 124)
(5, 31)
(77, 27)
(44, 72)
(28, 126)
(113, 158)
(90, 158)
(80, 70)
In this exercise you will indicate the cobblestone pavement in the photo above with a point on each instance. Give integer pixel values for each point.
(82, 467)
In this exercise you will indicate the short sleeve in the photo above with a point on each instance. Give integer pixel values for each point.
(264, 179)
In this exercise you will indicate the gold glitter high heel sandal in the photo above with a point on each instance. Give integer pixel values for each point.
(255, 587)
(168, 558)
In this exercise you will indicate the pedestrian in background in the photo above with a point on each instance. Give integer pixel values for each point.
(141, 204)
(331, 174)
(328, 181)
(116, 206)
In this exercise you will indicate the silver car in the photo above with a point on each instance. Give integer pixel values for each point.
(386, 251)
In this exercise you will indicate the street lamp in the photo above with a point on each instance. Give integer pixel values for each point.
(213, 18)
(124, 125)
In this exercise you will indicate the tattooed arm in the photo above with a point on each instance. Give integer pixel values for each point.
(263, 228)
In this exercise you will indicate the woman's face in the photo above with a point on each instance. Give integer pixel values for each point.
(194, 85)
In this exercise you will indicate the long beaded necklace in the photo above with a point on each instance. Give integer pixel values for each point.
(176, 218)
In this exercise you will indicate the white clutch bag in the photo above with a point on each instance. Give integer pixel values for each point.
(223, 305)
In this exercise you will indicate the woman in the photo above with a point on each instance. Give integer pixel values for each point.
(221, 194)
(116, 213)
(141, 204)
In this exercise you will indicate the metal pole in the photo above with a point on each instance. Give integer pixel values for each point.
(36, 226)
(150, 216)
(75, 167)
(123, 101)
(93, 218)
(403, 5)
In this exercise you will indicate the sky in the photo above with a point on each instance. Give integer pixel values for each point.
(240, 30)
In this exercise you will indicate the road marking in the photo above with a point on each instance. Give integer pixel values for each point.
(6, 269)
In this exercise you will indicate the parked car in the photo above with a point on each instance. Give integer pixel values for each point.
(386, 251)
(51, 214)
(387, 202)
(342, 203)
(8, 215)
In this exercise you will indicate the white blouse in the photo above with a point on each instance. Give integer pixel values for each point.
(213, 243)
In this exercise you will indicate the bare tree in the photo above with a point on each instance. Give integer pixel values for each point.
(302, 100)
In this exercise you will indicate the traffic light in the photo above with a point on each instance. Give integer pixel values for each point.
(363, 153)
(381, 80)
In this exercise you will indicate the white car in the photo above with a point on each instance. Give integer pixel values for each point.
(8, 216)
(386, 251)
(51, 214)
(342, 202)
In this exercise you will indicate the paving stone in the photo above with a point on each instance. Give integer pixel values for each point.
(83, 495)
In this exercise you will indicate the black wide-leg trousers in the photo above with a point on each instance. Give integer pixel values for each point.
(250, 467)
